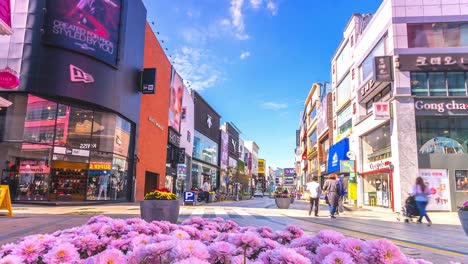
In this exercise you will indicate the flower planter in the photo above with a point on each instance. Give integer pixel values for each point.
(283, 203)
(160, 210)
(463, 215)
(292, 199)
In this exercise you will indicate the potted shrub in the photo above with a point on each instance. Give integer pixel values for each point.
(282, 198)
(463, 215)
(160, 205)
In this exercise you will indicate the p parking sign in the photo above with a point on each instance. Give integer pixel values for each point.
(189, 197)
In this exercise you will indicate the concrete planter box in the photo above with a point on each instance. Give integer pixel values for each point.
(160, 210)
(283, 203)
(463, 215)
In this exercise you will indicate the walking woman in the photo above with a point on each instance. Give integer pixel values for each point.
(421, 194)
(333, 190)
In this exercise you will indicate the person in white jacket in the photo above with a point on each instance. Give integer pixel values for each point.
(315, 191)
(421, 192)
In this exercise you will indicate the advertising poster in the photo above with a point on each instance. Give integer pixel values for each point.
(224, 150)
(322, 118)
(87, 26)
(438, 183)
(5, 17)
(175, 107)
(461, 180)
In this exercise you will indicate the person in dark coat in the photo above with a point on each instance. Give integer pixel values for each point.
(333, 190)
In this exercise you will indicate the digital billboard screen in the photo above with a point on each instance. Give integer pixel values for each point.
(90, 27)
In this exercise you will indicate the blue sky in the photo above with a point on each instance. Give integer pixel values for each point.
(254, 61)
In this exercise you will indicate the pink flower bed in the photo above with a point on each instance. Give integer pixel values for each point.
(197, 240)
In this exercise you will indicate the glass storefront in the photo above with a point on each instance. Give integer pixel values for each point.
(201, 173)
(439, 83)
(376, 146)
(377, 190)
(205, 149)
(442, 135)
(63, 152)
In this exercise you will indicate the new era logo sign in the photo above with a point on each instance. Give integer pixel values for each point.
(78, 75)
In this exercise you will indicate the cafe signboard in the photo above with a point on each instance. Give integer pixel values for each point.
(441, 107)
(433, 62)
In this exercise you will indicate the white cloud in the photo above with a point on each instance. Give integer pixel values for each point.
(237, 19)
(273, 7)
(244, 55)
(274, 105)
(192, 65)
(256, 3)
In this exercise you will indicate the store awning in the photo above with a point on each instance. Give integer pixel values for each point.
(336, 154)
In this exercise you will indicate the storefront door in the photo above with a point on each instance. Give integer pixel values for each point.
(377, 190)
(68, 181)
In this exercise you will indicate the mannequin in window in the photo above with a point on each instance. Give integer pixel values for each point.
(103, 184)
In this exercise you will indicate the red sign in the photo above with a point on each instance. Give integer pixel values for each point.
(5, 17)
(8, 78)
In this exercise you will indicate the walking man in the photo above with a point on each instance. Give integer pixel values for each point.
(315, 191)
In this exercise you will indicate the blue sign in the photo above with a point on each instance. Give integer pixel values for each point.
(189, 197)
(336, 154)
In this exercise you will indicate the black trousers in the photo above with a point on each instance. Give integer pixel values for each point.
(314, 202)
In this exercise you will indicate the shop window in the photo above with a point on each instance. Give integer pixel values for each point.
(107, 177)
(446, 135)
(376, 145)
(438, 35)
(376, 190)
(456, 83)
(27, 170)
(437, 84)
(419, 83)
(346, 126)
(205, 149)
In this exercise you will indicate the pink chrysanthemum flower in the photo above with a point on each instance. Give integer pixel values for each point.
(295, 231)
(309, 242)
(6, 249)
(356, 248)
(265, 232)
(180, 234)
(29, 250)
(63, 253)
(158, 249)
(88, 243)
(270, 244)
(330, 236)
(141, 240)
(324, 250)
(189, 248)
(111, 256)
(11, 259)
(384, 251)
(192, 231)
(249, 239)
(283, 237)
(192, 260)
(221, 251)
(305, 253)
(287, 256)
(338, 257)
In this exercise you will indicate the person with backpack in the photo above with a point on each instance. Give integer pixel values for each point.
(314, 189)
(421, 194)
(333, 193)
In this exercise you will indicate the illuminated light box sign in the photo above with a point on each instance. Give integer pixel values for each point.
(88, 27)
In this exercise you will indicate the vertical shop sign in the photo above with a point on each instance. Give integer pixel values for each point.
(438, 183)
(383, 69)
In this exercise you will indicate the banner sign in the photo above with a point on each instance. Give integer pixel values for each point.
(5, 17)
(5, 199)
(438, 183)
(261, 166)
(433, 62)
(148, 84)
(441, 107)
(383, 69)
(381, 110)
(88, 27)
(347, 166)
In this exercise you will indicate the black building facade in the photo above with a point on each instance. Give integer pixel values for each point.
(206, 144)
(69, 134)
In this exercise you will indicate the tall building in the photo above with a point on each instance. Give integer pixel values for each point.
(68, 128)
(253, 149)
(399, 82)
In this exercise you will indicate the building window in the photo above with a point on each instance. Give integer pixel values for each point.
(343, 91)
(438, 83)
(438, 35)
(313, 139)
(442, 135)
(343, 62)
(376, 145)
(367, 65)
(313, 114)
(382, 96)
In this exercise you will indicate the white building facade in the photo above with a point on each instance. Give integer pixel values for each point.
(400, 95)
